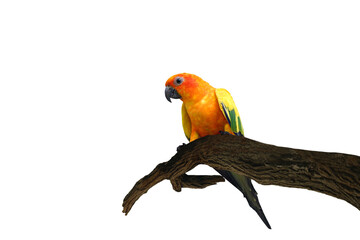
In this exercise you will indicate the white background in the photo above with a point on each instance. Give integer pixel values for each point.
(83, 114)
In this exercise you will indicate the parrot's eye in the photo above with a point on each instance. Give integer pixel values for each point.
(178, 81)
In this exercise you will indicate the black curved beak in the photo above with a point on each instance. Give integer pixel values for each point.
(170, 92)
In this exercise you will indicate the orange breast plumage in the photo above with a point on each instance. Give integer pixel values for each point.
(205, 116)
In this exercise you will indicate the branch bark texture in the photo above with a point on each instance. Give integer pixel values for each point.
(334, 174)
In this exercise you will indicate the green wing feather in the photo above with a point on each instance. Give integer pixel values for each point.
(228, 108)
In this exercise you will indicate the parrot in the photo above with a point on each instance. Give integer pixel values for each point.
(210, 111)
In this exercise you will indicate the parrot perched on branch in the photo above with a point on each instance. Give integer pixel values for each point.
(209, 111)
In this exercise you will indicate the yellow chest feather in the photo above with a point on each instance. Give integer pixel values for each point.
(206, 117)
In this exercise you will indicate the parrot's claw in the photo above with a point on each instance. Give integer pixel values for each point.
(180, 147)
(224, 133)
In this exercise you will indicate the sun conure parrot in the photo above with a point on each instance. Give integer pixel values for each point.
(209, 111)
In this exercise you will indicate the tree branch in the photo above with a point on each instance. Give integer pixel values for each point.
(190, 181)
(335, 174)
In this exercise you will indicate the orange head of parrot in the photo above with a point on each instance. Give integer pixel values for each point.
(183, 86)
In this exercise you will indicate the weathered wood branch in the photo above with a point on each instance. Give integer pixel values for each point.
(190, 181)
(335, 174)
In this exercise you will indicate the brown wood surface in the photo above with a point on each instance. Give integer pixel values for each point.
(334, 174)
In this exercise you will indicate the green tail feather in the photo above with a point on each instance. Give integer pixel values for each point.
(245, 186)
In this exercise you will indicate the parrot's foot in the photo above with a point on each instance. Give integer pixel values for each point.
(224, 133)
(180, 147)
